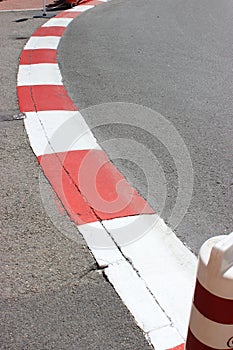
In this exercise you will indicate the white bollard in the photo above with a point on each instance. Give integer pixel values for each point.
(211, 320)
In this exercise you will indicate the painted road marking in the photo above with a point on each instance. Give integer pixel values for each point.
(57, 22)
(38, 56)
(91, 174)
(169, 282)
(38, 42)
(50, 31)
(39, 74)
(58, 126)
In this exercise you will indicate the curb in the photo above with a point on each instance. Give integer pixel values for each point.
(156, 288)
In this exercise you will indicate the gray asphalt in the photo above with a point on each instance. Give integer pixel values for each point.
(174, 57)
(52, 295)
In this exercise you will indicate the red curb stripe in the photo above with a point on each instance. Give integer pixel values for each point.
(49, 31)
(73, 201)
(68, 14)
(44, 98)
(193, 343)
(93, 2)
(179, 347)
(38, 56)
(96, 178)
(214, 308)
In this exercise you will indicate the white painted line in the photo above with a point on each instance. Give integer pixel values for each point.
(100, 243)
(39, 74)
(164, 263)
(80, 8)
(136, 296)
(40, 42)
(66, 131)
(131, 288)
(58, 22)
(36, 134)
(165, 338)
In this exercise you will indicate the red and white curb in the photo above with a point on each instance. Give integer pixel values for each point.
(155, 273)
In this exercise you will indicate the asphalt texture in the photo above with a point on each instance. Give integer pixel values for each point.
(52, 295)
(174, 57)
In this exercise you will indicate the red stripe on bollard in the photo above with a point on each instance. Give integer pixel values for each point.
(220, 310)
(211, 320)
(194, 343)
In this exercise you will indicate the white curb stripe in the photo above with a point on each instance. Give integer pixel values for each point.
(131, 288)
(136, 296)
(35, 133)
(165, 338)
(80, 8)
(58, 22)
(164, 263)
(64, 130)
(39, 74)
(42, 42)
(98, 239)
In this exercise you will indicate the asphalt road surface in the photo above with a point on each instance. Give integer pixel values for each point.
(174, 57)
(52, 295)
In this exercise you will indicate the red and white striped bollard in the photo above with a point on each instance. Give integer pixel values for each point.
(211, 320)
